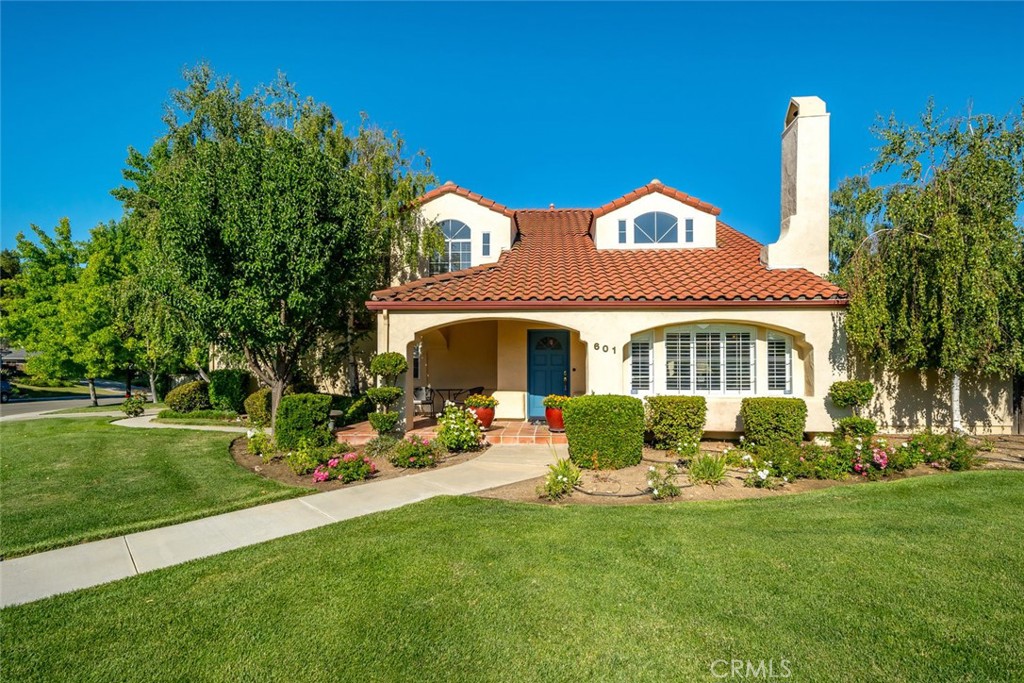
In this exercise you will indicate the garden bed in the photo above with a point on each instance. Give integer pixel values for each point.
(628, 486)
(279, 471)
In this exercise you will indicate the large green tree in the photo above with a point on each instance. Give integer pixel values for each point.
(270, 223)
(934, 259)
(61, 305)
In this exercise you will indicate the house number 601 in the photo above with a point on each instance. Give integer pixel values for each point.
(605, 348)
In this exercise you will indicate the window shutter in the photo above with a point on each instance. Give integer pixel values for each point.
(739, 361)
(780, 369)
(640, 365)
(707, 358)
(678, 368)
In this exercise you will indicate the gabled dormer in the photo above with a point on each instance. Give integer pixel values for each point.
(476, 229)
(655, 216)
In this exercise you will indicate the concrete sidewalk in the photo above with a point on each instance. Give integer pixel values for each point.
(146, 422)
(34, 577)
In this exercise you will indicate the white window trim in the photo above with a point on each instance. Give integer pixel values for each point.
(721, 330)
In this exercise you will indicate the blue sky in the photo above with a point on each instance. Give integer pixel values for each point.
(528, 104)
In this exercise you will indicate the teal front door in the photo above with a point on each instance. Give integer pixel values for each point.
(547, 368)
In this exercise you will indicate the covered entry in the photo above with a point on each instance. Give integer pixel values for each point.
(547, 368)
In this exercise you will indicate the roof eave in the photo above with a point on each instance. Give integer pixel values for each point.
(565, 305)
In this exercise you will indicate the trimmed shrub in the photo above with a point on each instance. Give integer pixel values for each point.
(384, 423)
(257, 407)
(188, 397)
(389, 365)
(303, 416)
(383, 397)
(767, 421)
(851, 393)
(676, 422)
(855, 426)
(605, 432)
(227, 389)
(359, 410)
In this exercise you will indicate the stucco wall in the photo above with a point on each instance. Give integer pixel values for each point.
(478, 218)
(912, 401)
(604, 371)
(607, 226)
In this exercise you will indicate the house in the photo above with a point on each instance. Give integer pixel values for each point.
(652, 293)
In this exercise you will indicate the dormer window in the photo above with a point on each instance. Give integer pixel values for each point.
(656, 227)
(457, 248)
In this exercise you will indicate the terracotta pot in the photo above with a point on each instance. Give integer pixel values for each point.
(554, 418)
(485, 415)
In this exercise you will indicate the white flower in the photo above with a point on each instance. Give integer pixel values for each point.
(857, 447)
(763, 474)
(726, 451)
(746, 458)
(655, 491)
(650, 482)
(249, 434)
(651, 468)
(742, 439)
(903, 445)
(785, 479)
(749, 470)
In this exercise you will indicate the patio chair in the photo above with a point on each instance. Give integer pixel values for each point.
(422, 399)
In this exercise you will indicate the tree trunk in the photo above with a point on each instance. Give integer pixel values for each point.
(129, 375)
(353, 365)
(276, 392)
(152, 388)
(958, 425)
(92, 392)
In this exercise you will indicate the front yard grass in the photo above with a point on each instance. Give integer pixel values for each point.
(113, 407)
(913, 580)
(70, 480)
(29, 391)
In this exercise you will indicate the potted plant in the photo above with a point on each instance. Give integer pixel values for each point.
(553, 405)
(483, 407)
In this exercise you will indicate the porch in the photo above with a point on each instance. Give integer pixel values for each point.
(501, 433)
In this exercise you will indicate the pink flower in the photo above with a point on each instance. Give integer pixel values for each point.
(333, 462)
(801, 458)
(349, 457)
(857, 467)
(320, 475)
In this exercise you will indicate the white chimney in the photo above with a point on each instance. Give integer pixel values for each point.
(803, 241)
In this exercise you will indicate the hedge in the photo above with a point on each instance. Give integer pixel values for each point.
(352, 408)
(851, 393)
(227, 389)
(188, 397)
(676, 422)
(257, 407)
(303, 415)
(855, 426)
(606, 432)
(770, 421)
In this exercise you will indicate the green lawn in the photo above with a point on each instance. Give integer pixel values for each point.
(78, 479)
(28, 391)
(114, 407)
(915, 580)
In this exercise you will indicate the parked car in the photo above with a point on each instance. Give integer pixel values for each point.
(5, 391)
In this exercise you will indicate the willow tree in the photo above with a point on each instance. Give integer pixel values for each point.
(937, 280)
(266, 218)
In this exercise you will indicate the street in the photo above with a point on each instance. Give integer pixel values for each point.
(23, 406)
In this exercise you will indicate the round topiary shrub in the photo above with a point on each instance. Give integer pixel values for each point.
(188, 397)
(389, 365)
(851, 393)
(605, 432)
(257, 407)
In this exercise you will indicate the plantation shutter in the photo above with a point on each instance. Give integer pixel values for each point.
(640, 365)
(780, 370)
(677, 361)
(739, 356)
(707, 358)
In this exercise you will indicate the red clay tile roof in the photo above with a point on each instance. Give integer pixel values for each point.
(451, 187)
(554, 263)
(655, 186)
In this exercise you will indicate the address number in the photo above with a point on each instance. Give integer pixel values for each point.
(604, 347)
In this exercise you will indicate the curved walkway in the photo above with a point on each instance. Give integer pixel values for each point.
(34, 577)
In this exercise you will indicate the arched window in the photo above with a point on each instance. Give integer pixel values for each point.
(655, 227)
(457, 248)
